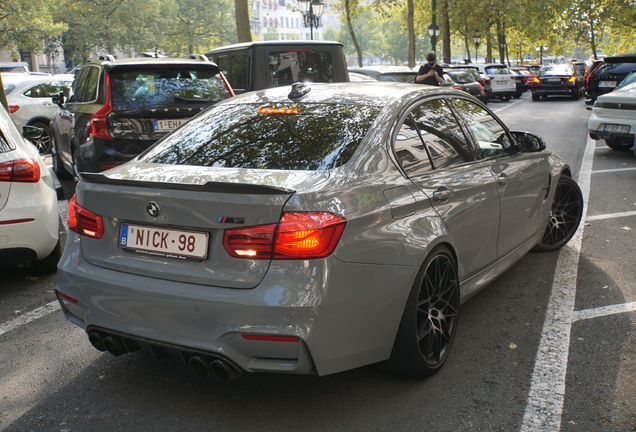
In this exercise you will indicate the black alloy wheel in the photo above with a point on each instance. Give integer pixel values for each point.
(43, 143)
(616, 144)
(565, 216)
(429, 323)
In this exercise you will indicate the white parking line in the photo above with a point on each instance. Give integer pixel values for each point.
(610, 216)
(29, 316)
(613, 170)
(604, 311)
(547, 389)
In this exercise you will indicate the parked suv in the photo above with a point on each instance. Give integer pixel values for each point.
(501, 79)
(259, 65)
(606, 76)
(119, 108)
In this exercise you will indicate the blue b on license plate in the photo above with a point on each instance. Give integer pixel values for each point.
(163, 242)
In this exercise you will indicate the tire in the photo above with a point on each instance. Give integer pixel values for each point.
(517, 95)
(429, 322)
(616, 144)
(565, 216)
(43, 143)
(58, 165)
(48, 264)
(535, 97)
(504, 98)
(576, 95)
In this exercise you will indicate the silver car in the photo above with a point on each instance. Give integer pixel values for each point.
(311, 229)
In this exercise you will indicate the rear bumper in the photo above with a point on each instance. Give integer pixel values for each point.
(553, 90)
(344, 315)
(596, 126)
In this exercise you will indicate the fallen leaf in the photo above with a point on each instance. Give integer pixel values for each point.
(16, 311)
(626, 228)
(512, 346)
(34, 278)
(606, 287)
(587, 224)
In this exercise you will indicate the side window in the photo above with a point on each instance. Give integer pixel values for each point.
(224, 65)
(490, 135)
(85, 86)
(442, 135)
(46, 90)
(239, 71)
(410, 150)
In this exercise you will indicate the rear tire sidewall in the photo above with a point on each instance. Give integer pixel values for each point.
(46, 138)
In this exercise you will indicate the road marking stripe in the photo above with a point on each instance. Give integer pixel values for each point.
(612, 170)
(604, 311)
(547, 389)
(29, 316)
(610, 216)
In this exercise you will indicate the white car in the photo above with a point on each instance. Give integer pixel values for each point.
(29, 98)
(29, 216)
(502, 80)
(613, 116)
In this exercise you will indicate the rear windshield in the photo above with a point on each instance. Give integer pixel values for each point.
(497, 70)
(397, 77)
(462, 76)
(559, 69)
(288, 67)
(166, 87)
(314, 137)
(615, 68)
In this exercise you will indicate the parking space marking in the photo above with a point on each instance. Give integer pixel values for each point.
(544, 408)
(603, 311)
(613, 170)
(63, 209)
(610, 216)
(29, 316)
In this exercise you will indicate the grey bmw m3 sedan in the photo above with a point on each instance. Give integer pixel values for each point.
(314, 228)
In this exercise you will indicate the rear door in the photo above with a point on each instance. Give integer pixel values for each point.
(435, 154)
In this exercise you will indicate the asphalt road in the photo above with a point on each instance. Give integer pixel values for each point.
(548, 346)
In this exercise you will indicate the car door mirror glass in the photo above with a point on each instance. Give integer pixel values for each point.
(528, 142)
(58, 99)
(31, 132)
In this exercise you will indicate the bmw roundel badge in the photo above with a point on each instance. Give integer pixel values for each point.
(153, 208)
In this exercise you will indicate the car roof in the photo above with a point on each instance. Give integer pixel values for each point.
(354, 93)
(621, 58)
(149, 61)
(245, 45)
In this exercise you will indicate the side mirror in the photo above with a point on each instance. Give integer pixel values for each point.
(58, 99)
(32, 133)
(528, 142)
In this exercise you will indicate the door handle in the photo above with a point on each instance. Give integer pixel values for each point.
(502, 180)
(442, 195)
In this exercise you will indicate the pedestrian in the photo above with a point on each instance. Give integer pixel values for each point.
(431, 73)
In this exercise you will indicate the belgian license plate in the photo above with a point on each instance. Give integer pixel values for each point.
(168, 125)
(502, 82)
(607, 84)
(163, 242)
(616, 128)
(554, 80)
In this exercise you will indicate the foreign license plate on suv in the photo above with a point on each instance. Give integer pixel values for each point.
(162, 242)
(168, 125)
(616, 128)
(607, 84)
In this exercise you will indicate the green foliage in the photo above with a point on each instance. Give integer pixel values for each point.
(24, 24)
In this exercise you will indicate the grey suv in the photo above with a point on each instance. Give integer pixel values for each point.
(119, 108)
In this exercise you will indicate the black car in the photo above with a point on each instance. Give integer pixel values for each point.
(557, 79)
(520, 83)
(606, 76)
(467, 80)
(119, 108)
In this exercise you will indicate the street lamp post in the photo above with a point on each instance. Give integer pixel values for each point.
(477, 41)
(312, 11)
(433, 30)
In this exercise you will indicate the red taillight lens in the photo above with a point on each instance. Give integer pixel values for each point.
(99, 119)
(83, 221)
(482, 81)
(296, 236)
(21, 170)
(491, 78)
(481, 88)
(457, 86)
(13, 108)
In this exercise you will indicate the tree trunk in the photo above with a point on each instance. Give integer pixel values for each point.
(242, 16)
(410, 23)
(352, 33)
(446, 36)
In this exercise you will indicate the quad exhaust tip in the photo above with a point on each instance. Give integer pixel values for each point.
(206, 367)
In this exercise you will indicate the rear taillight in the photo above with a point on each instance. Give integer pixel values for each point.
(99, 119)
(296, 236)
(572, 79)
(21, 170)
(481, 88)
(13, 108)
(535, 79)
(83, 221)
(491, 78)
(457, 86)
(482, 81)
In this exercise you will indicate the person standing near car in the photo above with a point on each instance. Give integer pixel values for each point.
(431, 73)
